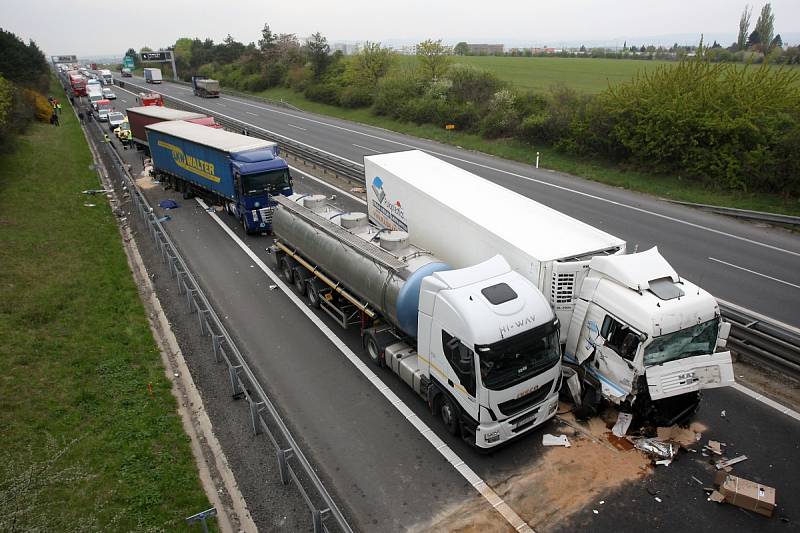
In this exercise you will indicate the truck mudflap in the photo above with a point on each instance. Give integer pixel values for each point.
(692, 374)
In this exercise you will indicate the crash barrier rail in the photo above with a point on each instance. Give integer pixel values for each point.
(264, 417)
(753, 338)
(353, 174)
(761, 216)
(763, 340)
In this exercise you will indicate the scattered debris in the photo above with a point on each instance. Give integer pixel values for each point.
(89, 205)
(168, 204)
(722, 413)
(743, 493)
(96, 191)
(573, 384)
(273, 287)
(658, 499)
(698, 481)
(623, 423)
(656, 448)
(729, 462)
(595, 511)
(664, 462)
(714, 447)
(358, 190)
(552, 440)
(164, 218)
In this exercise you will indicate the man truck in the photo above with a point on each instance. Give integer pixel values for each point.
(639, 334)
(205, 87)
(241, 173)
(478, 344)
(152, 75)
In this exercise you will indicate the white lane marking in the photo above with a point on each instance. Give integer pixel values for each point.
(528, 178)
(366, 148)
(754, 272)
(221, 104)
(342, 191)
(249, 113)
(253, 126)
(444, 450)
(298, 127)
(767, 401)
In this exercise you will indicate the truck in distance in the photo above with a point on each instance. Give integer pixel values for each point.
(106, 77)
(241, 173)
(152, 75)
(639, 334)
(478, 344)
(205, 87)
(77, 84)
(146, 99)
(126, 73)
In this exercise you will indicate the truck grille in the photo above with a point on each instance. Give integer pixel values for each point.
(264, 214)
(520, 404)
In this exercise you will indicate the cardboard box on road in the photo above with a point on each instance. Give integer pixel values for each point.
(745, 493)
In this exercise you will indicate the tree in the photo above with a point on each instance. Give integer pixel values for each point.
(318, 53)
(372, 63)
(744, 27)
(643, 49)
(433, 57)
(777, 42)
(132, 53)
(583, 48)
(716, 44)
(461, 49)
(754, 39)
(267, 42)
(765, 26)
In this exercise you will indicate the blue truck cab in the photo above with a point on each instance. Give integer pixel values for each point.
(238, 172)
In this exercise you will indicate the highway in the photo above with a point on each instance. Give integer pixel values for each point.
(388, 474)
(755, 267)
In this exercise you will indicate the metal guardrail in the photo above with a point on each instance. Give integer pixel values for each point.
(317, 159)
(244, 385)
(762, 216)
(760, 339)
(753, 338)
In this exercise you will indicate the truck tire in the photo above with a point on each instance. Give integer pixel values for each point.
(300, 280)
(286, 270)
(373, 351)
(449, 414)
(312, 294)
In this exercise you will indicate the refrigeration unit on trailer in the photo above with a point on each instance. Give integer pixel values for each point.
(639, 333)
(478, 344)
(241, 173)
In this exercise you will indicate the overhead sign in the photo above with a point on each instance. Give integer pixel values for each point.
(127, 62)
(156, 56)
(65, 59)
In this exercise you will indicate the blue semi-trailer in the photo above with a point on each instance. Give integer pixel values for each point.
(235, 171)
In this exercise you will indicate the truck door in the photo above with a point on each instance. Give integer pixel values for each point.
(460, 371)
(615, 358)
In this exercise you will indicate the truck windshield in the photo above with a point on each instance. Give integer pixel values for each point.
(274, 180)
(513, 360)
(695, 340)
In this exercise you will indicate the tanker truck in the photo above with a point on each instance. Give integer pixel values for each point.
(241, 173)
(639, 335)
(478, 344)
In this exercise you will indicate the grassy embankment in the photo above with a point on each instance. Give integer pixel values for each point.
(86, 445)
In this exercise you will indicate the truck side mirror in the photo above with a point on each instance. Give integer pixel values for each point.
(724, 332)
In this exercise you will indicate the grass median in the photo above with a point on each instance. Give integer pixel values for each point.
(92, 439)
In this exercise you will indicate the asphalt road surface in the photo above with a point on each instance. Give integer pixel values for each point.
(385, 472)
(754, 267)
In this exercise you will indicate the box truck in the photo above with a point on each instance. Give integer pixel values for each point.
(241, 173)
(205, 87)
(152, 75)
(478, 344)
(639, 334)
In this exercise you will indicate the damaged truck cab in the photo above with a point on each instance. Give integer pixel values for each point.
(644, 333)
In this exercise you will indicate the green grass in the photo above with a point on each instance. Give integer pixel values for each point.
(540, 73)
(670, 187)
(84, 445)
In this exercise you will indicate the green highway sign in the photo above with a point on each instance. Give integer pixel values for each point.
(127, 62)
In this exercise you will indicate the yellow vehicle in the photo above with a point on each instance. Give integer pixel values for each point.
(123, 131)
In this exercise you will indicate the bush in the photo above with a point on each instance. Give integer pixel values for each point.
(40, 107)
(394, 94)
(324, 92)
(356, 96)
(501, 118)
(469, 84)
(727, 126)
(298, 78)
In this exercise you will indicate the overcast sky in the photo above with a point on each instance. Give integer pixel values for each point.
(95, 27)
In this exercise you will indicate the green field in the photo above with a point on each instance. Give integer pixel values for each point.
(86, 446)
(541, 73)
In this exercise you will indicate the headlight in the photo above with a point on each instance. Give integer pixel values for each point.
(492, 436)
(257, 205)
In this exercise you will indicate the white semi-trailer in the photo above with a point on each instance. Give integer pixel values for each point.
(639, 334)
(479, 344)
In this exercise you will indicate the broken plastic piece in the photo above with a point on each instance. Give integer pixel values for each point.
(658, 499)
(656, 448)
(722, 464)
(89, 205)
(715, 447)
(552, 440)
(164, 218)
(623, 423)
(95, 191)
(664, 462)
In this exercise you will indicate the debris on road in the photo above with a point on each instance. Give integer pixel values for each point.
(723, 463)
(89, 205)
(164, 218)
(273, 287)
(658, 499)
(168, 204)
(97, 191)
(656, 448)
(743, 493)
(714, 447)
(623, 423)
(553, 440)
(722, 413)
(358, 190)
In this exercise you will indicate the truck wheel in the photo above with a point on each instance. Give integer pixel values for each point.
(299, 281)
(244, 225)
(312, 294)
(449, 414)
(286, 269)
(374, 353)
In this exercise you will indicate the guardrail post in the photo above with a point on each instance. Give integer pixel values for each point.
(316, 518)
(216, 344)
(236, 388)
(189, 297)
(255, 416)
(283, 464)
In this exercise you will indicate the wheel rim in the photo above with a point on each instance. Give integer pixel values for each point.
(299, 284)
(372, 350)
(287, 271)
(447, 414)
(312, 295)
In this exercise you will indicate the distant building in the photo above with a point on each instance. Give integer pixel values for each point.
(485, 49)
(406, 49)
(347, 49)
